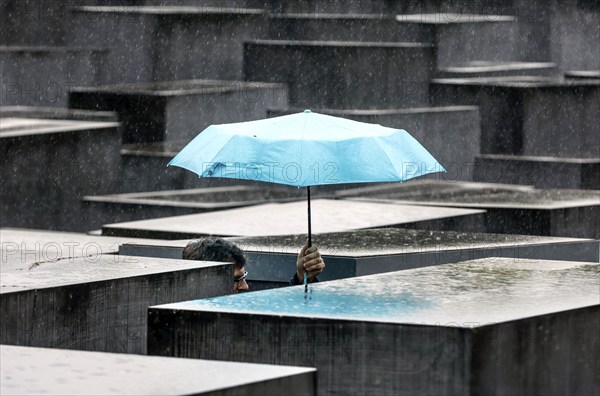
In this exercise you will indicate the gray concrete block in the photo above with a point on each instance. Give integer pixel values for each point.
(568, 213)
(533, 116)
(57, 113)
(153, 43)
(344, 75)
(179, 110)
(35, 22)
(463, 7)
(488, 326)
(533, 20)
(572, 130)
(365, 252)
(334, 7)
(321, 7)
(25, 248)
(42, 76)
(291, 218)
(433, 127)
(574, 33)
(30, 371)
(200, 3)
(427, 189)
(335, 27)
(118, 208)
(541, 172)
(49, 165)
(461, 38)
(67, 294)
(145, 168)
(563, 32)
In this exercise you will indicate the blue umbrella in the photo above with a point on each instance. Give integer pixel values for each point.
(306, 149)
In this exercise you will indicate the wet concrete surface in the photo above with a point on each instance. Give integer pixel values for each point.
(474, 327)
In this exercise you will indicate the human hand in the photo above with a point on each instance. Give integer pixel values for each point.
(310, 261)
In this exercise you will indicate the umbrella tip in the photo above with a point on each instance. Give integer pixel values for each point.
(307, 111)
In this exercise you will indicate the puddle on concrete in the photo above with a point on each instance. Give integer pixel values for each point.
(464, 294)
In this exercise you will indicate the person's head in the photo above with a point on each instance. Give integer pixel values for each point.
(218, 249)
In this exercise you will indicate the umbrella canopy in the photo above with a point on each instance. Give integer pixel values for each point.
(306, 149)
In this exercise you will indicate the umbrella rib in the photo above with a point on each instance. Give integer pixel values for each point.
(302, 141)
(388, 158)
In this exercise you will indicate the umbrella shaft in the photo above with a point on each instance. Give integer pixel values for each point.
(309, 225)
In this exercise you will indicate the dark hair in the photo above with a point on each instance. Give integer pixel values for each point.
(214, 249)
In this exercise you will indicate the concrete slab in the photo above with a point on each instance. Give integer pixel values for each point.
(464, 8)
(291, 218)
(488, 326)
(321, 7)
(498, 69)
(22, 248)
(572, 32)
(179, 110)
(145, 169)
(96, 302)
(564, 32)
(331, 74)
(34, 371)
(56, 113)
(541, 172)
(464, 37)
(429, 188)
(165, 43)
(335, 27)
(42, 76)
(14, 127)
(199, 3)
(434, 127)
(547, 117)
(35, 22)
(296, 6)
(569, 213)
(440, 29)
(119, 208)
(583, 74)
(363, 252)
(335, 7)
(49, 165)
(202, 3)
